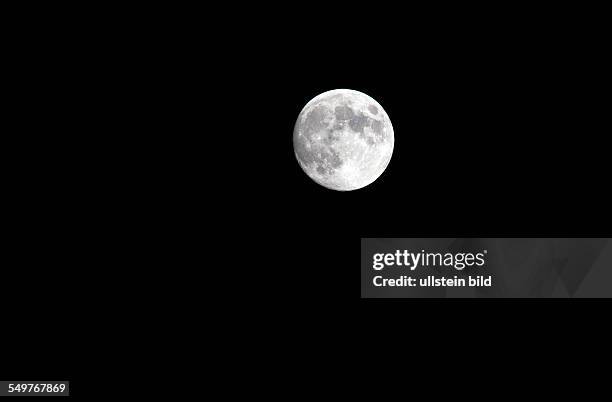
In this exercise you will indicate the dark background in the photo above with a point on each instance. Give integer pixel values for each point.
(492, 138)
(119, 182)
(499, 132)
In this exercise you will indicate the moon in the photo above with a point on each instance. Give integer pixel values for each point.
(343, 139)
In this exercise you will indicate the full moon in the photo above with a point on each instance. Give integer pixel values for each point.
(343, 139)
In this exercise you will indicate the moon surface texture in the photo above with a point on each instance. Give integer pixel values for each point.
(343, 139)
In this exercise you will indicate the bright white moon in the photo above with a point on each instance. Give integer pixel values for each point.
(343, 139)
